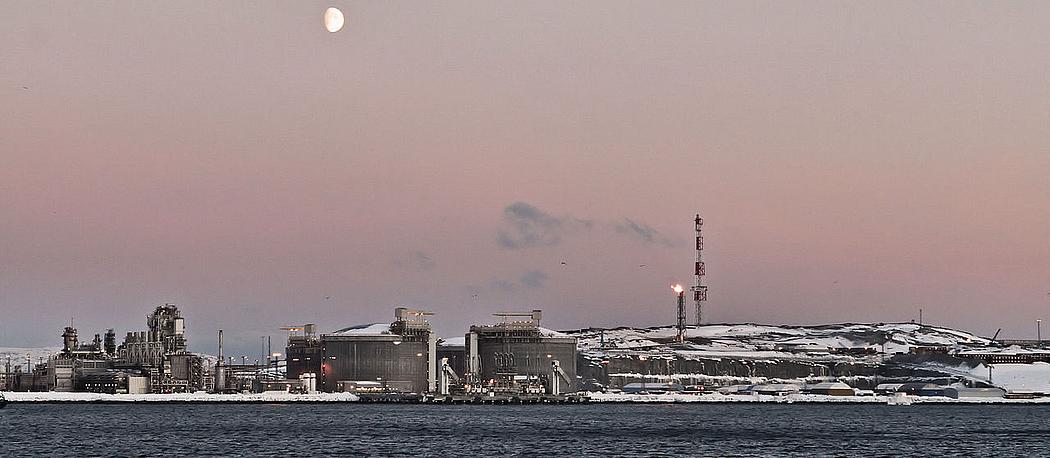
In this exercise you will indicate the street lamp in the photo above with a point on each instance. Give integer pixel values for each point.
(1039, 333)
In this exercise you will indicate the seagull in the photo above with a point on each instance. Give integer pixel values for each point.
(475, 295)
(641, 265)
(327, 297)
(564, 263)
(25, 88)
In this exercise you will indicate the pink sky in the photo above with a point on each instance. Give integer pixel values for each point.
(852, 162)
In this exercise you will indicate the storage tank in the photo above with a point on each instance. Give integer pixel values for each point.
(376, 353)
(517, 348)
(401, 356)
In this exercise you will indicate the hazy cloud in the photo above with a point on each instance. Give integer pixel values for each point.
(503, 285)
(534, 279)
(422, 260)
(531, 279)
(642, 231)
(530, 227)
(417, 260)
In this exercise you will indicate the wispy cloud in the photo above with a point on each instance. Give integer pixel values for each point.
(530, 279)
(534, 279)
(528, 226)
(416, 260)
(642, 231)
(503, 285)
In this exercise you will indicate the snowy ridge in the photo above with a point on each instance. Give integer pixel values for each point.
(799, 398)
(18, 355)
(755, 340)
(927, 350)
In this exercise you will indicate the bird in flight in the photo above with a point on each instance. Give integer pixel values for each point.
(641, 265)
(564, 263)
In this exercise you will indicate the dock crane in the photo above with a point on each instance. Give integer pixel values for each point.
(557, 376)
(447, 377)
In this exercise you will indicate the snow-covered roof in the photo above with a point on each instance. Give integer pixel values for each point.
(373, 329)
(453, 342)
(829, 386)
(552, 333)
(888, 386)
(776, 387)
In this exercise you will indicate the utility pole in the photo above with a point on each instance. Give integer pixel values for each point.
(1039, 333)
(699, 288)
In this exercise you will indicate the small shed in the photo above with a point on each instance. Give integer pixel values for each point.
(831, 389)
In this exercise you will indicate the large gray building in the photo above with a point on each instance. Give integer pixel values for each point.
(512, 357)
(400, 356)
(517, 351)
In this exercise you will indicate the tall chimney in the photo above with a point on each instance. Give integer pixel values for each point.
(220, 371)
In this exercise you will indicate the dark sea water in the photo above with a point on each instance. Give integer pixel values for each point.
(531, 430)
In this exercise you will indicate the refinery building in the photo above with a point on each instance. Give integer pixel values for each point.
(150, 361)
(513, 357)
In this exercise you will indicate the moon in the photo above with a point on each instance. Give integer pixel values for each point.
(333, 19)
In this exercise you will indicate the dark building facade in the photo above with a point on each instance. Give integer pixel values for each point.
(400, 356)
(520, 348)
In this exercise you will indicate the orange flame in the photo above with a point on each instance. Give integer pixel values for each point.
(677, 288)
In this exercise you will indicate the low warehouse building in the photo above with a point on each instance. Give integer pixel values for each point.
(776, 389)
(921, 389)
(652, 388)
(831, 389)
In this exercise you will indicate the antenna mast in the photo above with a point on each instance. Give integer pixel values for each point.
(699, 288)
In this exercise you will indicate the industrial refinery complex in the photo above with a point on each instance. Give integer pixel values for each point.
(510, 357)
(151, 361)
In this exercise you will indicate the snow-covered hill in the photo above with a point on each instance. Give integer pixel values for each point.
(864, 353)
(17, 355)
(780, 341)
